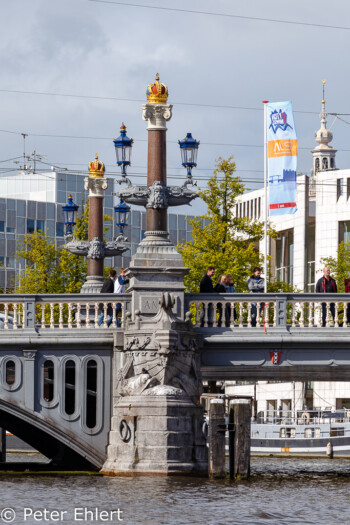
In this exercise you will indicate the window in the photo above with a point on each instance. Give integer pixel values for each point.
(10, 230)
(30, 225)
(91, 393)
(59, 229)
(2, 261)
(40, 226)
(340, 188)
(287, 432)
(49, 378)
(344, 231)
(10, 373)
(332, 162)
(10, 262)
(317, 165)
(2, 226)
(284, 256)
(69, 387)
(259, 207)
(325, 163)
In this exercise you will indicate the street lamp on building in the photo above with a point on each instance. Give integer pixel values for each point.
(189, 151)
(123, 147)
(122, 213)
(70, 209)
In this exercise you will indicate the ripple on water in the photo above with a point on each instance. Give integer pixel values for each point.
(280, 491)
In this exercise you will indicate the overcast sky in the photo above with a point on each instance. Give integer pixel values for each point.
(80, 47)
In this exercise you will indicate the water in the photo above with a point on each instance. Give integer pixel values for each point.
(280, 491)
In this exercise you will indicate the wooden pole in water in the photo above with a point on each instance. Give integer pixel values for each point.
(2, 445)
(217, 439)
(239, 441)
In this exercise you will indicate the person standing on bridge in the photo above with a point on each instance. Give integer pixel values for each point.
(119, 287)
(326, 285)
(108, 287)
(206, 286)
(256, 284)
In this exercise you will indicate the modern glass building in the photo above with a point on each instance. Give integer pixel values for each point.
(32, 202)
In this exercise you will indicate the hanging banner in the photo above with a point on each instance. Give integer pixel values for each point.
(282, 150)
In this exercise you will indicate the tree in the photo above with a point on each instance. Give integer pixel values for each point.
(339, 265)
(220, 238)
(48, 269)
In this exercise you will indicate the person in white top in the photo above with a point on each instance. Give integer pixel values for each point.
(119, 287)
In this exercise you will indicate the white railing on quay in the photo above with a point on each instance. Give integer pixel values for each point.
(59, 311)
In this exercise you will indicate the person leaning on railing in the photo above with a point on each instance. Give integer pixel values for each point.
(107, 287)
(256, 284)
(220, 288)
(326, 285)
(229, 289)
(206, 286)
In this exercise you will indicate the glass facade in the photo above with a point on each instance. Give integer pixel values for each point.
(19, 216)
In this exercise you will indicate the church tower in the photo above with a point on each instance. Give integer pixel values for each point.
(323, 154)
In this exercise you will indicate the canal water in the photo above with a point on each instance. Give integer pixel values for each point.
(280, 491)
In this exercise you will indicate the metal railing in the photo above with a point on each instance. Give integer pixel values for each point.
(59, 311)
(286, 311)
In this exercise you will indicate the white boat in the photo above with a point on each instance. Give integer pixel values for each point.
(307, 433)
(317, 433)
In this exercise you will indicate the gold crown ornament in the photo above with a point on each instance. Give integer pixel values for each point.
(96, 168)
(157, 93)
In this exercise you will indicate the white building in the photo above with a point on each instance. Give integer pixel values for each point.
(321, 222)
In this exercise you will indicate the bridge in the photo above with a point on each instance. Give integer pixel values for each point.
(59, 368)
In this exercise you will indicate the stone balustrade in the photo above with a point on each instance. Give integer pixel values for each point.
(59, 311)
(286, 311)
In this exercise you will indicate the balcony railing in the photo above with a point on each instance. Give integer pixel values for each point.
(286, 311)
(59, 311)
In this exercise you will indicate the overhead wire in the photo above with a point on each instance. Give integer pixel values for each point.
(225, 15)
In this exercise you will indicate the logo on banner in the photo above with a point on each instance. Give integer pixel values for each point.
(275, 357)
(279, 121)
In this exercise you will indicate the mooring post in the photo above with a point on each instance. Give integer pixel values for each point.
(2, 445)
(239, 440)
(217, 438)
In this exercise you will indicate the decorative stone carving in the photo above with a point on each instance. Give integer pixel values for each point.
(97, 249)
(157, 196)
(157, 115)
(29, 354)
(95, 186)
(161, 356)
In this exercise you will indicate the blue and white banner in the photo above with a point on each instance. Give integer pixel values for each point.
(282, 148)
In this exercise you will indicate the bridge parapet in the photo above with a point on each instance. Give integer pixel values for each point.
(278, 311)
(61, 311)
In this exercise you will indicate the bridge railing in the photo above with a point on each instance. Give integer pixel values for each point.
(52, 311)
(297, 310)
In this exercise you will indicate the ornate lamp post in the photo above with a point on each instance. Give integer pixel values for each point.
(96, 249)
(156, 252)
(189, 151)
(70, 209)
(123, 147)
(122, 213)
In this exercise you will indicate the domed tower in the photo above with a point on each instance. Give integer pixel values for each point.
(323, 154)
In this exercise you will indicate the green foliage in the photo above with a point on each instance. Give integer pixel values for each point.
(226, 242)
(48, 269)
(339, 265)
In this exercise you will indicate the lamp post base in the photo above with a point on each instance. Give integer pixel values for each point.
(93, 284)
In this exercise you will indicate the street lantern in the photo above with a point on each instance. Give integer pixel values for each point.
(123, 146)
(189, 151)
(70, 209)
(122, 214)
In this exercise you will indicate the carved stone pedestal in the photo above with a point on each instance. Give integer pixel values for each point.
(157, 418)
(156, 435)
(156, 267)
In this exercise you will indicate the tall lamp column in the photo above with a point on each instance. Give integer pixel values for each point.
(157, 113)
